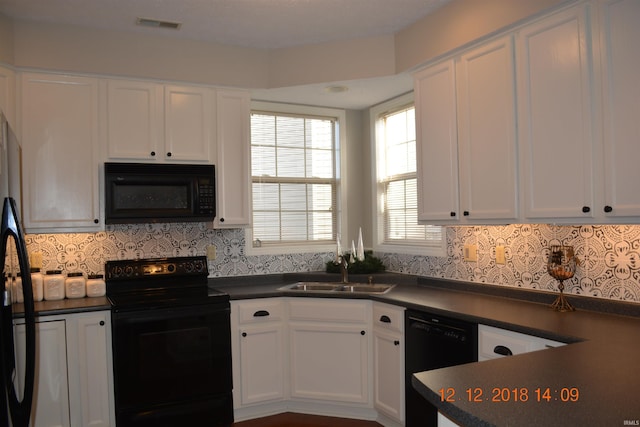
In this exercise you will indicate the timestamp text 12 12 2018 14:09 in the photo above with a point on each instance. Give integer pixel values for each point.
(510, 394)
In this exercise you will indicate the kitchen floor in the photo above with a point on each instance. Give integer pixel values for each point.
(290, 419)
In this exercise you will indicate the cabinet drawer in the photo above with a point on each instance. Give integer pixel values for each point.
(262, 310)
(329, 310)
(388, 317)
(492, 342)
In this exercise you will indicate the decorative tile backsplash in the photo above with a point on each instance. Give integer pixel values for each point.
(609, 255)
(88, 252)
(609, 258)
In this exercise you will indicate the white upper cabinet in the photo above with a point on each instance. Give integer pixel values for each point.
(487, 141)
(134, 114)
(189, 118)
(7, 95)
(555, 117)
(465, 119)
(152, 122)
(620, 62)
(558, 145)
(233, 173)
(436, 145)
(60, 158)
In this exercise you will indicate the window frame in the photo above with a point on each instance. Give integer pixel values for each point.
(341, 218)
(379, 243)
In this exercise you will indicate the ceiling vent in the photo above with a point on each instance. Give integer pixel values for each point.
(148, 22)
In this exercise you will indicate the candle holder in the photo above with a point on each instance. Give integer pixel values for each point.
(561, 266)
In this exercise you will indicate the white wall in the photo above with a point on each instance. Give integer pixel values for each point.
(83, 50)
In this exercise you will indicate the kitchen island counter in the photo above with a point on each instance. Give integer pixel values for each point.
(592, 381)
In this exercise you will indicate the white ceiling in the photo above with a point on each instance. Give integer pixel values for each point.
(263, 24)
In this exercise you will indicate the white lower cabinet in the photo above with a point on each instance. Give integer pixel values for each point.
(318, 355)
(329, 342)
(258, 351)
(445, 422)
(495, 342)
(50, 395)
(388, 361)
(73, 379)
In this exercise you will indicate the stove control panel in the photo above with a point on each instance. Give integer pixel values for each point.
(156, 267)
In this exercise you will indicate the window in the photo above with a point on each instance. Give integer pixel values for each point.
(397, 196)
(294, 163)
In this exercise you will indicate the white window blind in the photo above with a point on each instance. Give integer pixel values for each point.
(397, 182)
(293, 163)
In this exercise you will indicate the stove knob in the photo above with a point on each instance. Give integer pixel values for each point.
(171, 268)
(128, 271)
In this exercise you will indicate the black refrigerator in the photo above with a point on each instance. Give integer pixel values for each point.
(16, 391)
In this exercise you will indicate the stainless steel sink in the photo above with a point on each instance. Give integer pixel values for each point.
(312, 286)
(366, 288)
(353, 288)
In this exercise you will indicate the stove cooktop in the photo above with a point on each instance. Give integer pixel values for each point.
(159, 282)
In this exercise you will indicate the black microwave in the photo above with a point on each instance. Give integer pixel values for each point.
(146, 193)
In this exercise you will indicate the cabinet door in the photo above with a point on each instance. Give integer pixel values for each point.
(388, 360)
(233, 160)
(437, 143)
(388, 370)
(555, 136)
(133, 122)
(258, 351)
(60, 153)
(485, 79)
(7, 95)
(89, 352)
(620, 55)
(51, 394)
(329, 362)
(188, 124)
(495, 342)
(261, 363)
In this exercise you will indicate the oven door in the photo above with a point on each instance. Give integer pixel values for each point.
(173, 363)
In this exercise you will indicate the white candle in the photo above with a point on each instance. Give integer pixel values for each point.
(360, 253)
(352, 259)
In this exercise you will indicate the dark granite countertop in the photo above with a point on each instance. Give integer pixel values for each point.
(67, 306)
(78, 305)
(601, 364)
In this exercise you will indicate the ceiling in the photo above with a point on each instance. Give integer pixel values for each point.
(261, 24)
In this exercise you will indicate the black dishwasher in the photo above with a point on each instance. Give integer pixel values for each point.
(433, 342)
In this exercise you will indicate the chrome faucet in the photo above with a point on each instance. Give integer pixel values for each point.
(344, 265)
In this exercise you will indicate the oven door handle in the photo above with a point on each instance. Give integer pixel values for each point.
(261, 313)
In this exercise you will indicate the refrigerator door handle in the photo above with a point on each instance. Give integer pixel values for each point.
(19, 411)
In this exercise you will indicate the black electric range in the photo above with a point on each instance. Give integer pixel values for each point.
(171, 339)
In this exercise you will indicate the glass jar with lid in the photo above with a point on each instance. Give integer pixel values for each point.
(16, 291)
(53, 285)
(75, 286)
(95, 285)
(37, 283)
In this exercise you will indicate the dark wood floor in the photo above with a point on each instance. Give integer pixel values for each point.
(301, 420)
